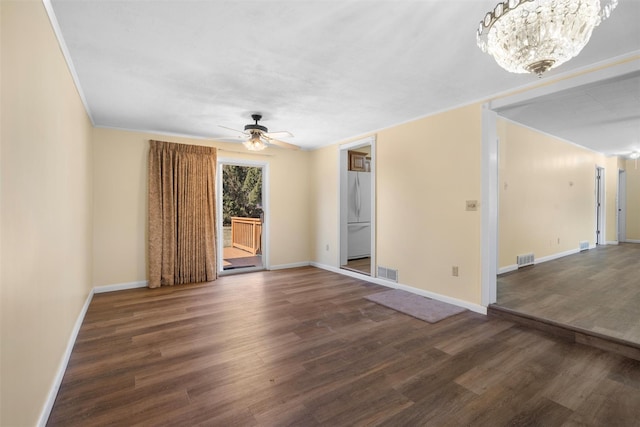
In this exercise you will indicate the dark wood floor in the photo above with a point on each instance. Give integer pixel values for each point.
(302, 347)
(596, 290)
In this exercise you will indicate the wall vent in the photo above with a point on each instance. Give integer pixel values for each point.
(524, 260)
(584, 246)
(388, 273)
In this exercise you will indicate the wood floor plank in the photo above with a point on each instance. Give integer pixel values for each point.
(302, 347)
(609, 403)
(434, 409)
(541, 412)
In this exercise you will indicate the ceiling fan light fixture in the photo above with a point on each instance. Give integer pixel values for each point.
(534, 36)
(259, 137)
(255, 143)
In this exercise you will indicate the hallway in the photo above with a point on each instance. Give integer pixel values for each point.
(596, 290)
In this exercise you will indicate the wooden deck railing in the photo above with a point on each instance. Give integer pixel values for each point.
(246, 234)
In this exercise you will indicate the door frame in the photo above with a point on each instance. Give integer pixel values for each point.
(621, 205)
(265, 209)
(343, 200)
(600, 205)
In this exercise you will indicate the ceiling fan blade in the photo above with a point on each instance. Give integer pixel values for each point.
(235, 130)
(282, 144)
(227, 139)
(279, 134)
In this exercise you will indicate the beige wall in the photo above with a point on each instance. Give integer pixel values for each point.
(324, 175)
(425, 171)
(546, 191)
(632, 168)
(46, 210)
(120, 192)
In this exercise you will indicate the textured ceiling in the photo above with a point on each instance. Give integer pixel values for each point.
(607, 114)
(323, 70)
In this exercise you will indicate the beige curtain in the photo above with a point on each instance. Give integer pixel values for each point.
(182, 213)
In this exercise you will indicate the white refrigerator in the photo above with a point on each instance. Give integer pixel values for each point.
(359, 215)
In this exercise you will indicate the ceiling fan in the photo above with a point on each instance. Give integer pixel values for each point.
(259, 137)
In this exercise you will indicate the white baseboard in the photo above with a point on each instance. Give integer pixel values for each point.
(450, 300)
(62, 366)
(508, 268)
(551, 257)
(558, 255)
(292, 265)
(344, 272)
(632, 241)
(328, 267)
(353, 274)
(119, 287)
(611, 242)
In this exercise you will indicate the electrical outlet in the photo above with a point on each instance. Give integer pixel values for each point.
(454, 271)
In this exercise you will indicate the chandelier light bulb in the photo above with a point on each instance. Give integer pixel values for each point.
(254, 143)
(534, 36)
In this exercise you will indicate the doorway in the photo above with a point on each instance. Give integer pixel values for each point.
(489, 161)
(241, 216)
(357, 207)
(622, 205)
(490, 218)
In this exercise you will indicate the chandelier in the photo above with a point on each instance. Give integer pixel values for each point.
(534, 36)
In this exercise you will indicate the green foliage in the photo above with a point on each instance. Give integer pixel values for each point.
(242, 192)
